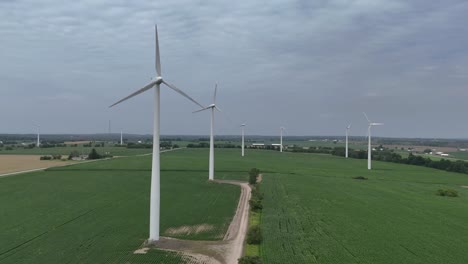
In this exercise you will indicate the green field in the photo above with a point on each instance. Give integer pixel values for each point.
(459, 155)
(314, 212)
(98, 212)
(114, 151)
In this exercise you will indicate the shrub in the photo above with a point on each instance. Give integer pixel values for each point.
(253, 174)
(57, 157)
(255, 204)
(45, 158)
(448, 193)
(250, 260)
(254, 235)
(360, 178)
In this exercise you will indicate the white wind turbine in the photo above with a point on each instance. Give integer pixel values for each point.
(38, 143)
(281, 138)
(155, 170)
(369, 149)
(242, 146)
(347, 132)
(121, 137)
(212, 107)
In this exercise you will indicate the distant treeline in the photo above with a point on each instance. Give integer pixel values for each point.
(207, 145)
(390, 156)
(162, 144)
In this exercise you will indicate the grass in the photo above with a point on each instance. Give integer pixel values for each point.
(98, 212)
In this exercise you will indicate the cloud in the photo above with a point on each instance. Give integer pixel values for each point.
(293, 63)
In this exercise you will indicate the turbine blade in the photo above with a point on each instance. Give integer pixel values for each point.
(215, 91)
(158, 60)
(182, 93)
(377, 124)
(203, 109)
(146, 87)
(219, 110)
(366, 117)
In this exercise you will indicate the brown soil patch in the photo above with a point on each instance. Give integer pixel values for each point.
(189, 230)
(17, 163)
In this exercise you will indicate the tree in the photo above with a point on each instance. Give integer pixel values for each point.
(94, 155)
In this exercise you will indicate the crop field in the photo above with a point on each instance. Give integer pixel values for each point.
(15, 163)
(114, 151)
(314, 212)
(459, 155)
(98, 212)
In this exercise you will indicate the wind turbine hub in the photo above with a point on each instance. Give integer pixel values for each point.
(159, 80)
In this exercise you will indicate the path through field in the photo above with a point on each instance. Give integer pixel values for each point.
(226, 251)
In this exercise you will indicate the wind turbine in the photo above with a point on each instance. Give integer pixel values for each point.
(155, 170)
(369, 149)
(281, 138)
(347, 132)
(242, 146)
(38, 143)
(121, 137)
(212, 107)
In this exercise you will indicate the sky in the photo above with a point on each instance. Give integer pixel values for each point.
(310, 66)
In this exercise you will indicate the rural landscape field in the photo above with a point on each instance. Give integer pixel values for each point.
(314, 211)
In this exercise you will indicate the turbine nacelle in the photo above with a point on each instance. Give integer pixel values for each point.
(158, 80)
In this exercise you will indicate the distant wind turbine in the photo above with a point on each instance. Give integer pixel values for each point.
(347, 132)
(369, 149)
(155, 171)
(213, 108)
(38, 143)
(281, 138)
(242, 146)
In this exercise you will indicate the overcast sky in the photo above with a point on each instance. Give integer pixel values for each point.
(311, 66)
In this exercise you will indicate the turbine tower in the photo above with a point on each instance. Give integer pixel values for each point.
(347, 132)
(121, 137)
(155, 169)
(281, 138)
(213, 107)
(369, 148)
(242, 146)
(38, 143)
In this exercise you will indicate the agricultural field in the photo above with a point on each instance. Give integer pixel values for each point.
(459, 155)
(98, 212)
(15, 163)
(114, 151)
(314, 212)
